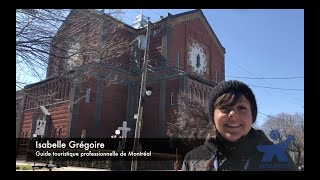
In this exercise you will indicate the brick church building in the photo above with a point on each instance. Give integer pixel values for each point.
(185, 55)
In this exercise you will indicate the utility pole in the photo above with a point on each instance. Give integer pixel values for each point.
(141, 98)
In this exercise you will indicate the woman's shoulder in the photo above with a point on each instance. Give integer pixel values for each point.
(197, 159)
(261, 137)
(201, 152)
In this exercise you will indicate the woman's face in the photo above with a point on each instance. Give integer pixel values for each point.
(233, 122)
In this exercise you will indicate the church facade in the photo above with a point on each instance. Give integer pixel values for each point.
(185, 55)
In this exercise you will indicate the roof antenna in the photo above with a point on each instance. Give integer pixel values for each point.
(140, 21)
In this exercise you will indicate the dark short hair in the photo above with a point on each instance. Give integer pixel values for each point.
(233, 86)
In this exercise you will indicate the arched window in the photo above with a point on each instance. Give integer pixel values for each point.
(22, 138)
(53, 133)
(190, 95)
(83, 133)
(26, 138)
(198, 61)
(203, 98)
(22, 135)
(178, 59)
(66, 95)
(59, 133)
(87, 97)
(172, 98)
(27, 135)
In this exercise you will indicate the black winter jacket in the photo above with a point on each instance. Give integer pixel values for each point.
(243, 155)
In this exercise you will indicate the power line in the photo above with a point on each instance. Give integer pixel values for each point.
(265, 82)
(298, 77)
(277, 88)
(152, 60)
(154, 12)
(136, 11)
(141, 97)
(269, 116)
(261, 80)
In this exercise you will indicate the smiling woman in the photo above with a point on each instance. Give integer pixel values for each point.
(233, 110)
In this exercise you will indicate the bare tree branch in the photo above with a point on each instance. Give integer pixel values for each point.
(49, 40)
(38, 30)
(190, 123)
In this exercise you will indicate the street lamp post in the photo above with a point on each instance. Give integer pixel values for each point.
(34, 138)
(117, 134)
(139, 123)
(148, 91)
(134, 162)
(141, 97)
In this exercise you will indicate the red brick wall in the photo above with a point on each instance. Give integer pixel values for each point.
(178, 43)
(86, 109)
(150, 127)
(87, 30)
(172, 85)
(155, 48)
(114, 109)
(26, 123)
(151, 122)
(59, 117)
(123, 61)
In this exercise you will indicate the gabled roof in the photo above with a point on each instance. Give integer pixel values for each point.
(172, 19)
(187, 16)
(93, 12)
(190, 15)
